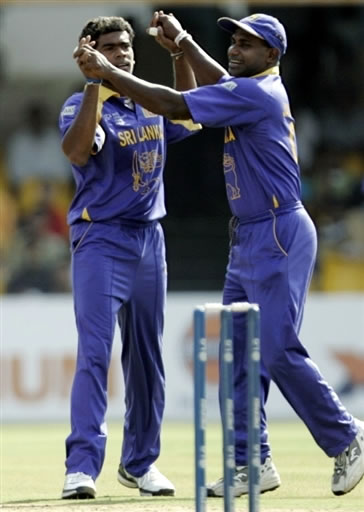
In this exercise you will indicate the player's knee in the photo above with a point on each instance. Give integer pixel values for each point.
(276, 363)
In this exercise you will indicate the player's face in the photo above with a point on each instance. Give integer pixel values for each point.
(248, 55)
(117, 48)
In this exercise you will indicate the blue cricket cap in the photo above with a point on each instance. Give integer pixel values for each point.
(259, 25)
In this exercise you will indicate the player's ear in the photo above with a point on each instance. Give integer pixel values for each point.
(273, 55)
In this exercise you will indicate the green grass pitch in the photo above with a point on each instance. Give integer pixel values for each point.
(32, 472)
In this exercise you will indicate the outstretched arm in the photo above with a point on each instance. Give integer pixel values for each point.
(207, 70)
(156, 98)
(183, 75)
(78, 140)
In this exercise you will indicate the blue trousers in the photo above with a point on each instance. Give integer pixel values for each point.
(271, 263)
(118, 273)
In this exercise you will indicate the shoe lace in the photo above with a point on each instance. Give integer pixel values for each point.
(74, 477)
(340, 463)
(241, 473)
(153, 473)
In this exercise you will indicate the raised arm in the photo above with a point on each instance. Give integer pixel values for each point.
(207, 70)
(183, 75)
(78, 140)
(156, 98)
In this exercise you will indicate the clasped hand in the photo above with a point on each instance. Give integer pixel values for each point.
(168, 28)
(92, 63)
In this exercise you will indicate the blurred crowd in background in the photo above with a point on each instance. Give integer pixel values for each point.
(324, 74)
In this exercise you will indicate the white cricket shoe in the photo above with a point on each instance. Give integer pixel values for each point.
(152, 483)
(349, 465)
(269, 480)
(78, 486)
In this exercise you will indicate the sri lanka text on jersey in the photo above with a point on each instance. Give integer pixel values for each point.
(143, 133)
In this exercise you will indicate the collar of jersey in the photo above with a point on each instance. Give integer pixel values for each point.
(270, 71)
(105, 93)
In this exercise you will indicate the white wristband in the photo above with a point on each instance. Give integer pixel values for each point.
(182, 35)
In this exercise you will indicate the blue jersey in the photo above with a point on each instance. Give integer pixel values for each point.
(260, 156)
(123, 178)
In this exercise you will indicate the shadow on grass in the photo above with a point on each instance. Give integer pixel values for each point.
(103, 500)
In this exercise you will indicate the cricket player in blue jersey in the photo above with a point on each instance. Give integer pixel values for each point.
(118, 151)
(273, 246)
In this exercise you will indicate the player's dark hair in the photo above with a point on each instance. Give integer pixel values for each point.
(105, 25)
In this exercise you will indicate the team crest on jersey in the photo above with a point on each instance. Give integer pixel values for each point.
(144, 166)
(69, 111)
(231, 178)
(230, 86)
(115, 117)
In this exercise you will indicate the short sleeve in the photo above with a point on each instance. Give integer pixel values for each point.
(232, 101)
(69, 112)
(67, 116)
(179, 130)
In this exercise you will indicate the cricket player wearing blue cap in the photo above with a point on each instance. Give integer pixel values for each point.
(273, 246)
(118, 152)
(263, 26)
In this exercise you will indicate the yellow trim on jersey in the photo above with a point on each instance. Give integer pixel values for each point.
(85, 215)
(275, 201)
(188, 124)
(229, 135)
(148, 113)
(271, 71)
(104, 94)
